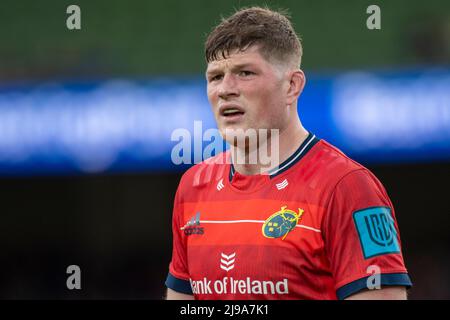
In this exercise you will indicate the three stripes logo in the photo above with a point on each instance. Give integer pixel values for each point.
(227, 261)
(193, 226)
(283, 184)
(220, 185)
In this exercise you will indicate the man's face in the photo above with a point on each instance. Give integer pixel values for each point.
(246, 92)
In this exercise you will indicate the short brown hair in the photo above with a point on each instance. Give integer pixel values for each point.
(271, 30)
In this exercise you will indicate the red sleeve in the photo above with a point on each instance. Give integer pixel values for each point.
(361, 235)
(178, 277)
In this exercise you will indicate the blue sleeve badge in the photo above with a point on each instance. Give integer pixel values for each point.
(376, 231)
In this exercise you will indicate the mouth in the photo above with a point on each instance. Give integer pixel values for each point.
(231, 112)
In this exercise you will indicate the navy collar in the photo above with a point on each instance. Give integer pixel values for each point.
(306, 145)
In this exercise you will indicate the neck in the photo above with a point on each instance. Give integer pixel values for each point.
(277, 149)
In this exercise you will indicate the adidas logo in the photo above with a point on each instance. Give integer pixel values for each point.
(220, 185)
(193, 226)
(283, 184)
(227, 262)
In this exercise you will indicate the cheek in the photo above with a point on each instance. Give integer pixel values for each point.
(270, 106)
(256, 96)
(212, 96)
(268, 100)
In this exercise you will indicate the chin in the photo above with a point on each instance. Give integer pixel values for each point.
(236, 134)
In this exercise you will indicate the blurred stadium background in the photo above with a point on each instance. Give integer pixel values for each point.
(86, 118)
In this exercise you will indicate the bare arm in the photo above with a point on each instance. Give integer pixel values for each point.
(174, 295)
(388, 293)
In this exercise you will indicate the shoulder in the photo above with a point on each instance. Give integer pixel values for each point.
(336, 158)
(347, 183)
(352, 171)
(327, 168)
(334, 165)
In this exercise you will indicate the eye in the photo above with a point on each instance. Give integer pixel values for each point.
(215, 78)
(246, 73)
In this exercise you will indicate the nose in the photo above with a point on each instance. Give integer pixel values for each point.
(228, 87)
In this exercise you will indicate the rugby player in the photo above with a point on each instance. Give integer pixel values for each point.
(313, 225)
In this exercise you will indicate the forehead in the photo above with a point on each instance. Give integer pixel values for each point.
(237, 58)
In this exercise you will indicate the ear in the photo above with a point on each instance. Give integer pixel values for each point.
(297, 82)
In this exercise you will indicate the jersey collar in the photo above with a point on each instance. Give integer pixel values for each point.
(306, 145)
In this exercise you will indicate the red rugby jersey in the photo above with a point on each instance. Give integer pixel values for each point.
(317, 227)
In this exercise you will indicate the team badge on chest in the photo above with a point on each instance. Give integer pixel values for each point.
(281, 223)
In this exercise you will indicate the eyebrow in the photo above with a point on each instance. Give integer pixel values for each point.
(215, 70)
